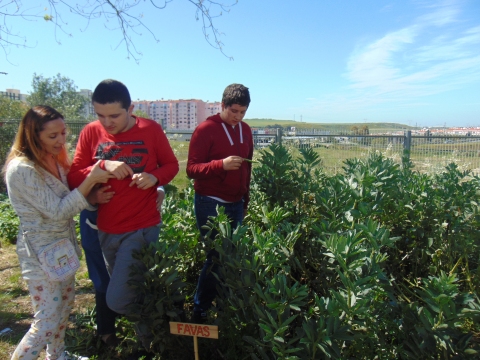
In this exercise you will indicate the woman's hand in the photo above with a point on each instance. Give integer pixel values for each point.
(97, 175)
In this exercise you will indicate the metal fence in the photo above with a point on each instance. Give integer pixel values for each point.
(428, 153)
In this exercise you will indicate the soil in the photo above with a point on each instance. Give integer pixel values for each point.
(15, 306)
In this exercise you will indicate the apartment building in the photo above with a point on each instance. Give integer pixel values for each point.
(88, 110)
(212, 108)
(178, 114)
(13, 94)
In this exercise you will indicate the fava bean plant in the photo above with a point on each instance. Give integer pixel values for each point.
(378, 262)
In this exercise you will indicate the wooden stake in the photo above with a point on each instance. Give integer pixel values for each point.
(195, 347)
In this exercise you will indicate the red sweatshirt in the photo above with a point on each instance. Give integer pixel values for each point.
(145, 148)
(212, 141)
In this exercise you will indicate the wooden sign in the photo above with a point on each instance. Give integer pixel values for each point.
(195, 330)
(205, 331)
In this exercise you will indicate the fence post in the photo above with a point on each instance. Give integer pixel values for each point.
(407, 144)
(278, 139)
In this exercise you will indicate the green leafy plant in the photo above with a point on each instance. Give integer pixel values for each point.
(9, 222)
(378, 262)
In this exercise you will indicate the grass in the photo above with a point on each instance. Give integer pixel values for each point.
(15, 308)
(16, 311)
(180, 148)
(373, 127)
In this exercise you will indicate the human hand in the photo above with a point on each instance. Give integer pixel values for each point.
(98, 175)
(232, 163)
(118, 168)
(160, 198)
(100, 195)
(143, 180)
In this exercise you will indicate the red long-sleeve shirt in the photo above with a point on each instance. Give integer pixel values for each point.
(211, 142)
(145, 148)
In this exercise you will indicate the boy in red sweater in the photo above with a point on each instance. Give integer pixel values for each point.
(216, 156)
(138, 153)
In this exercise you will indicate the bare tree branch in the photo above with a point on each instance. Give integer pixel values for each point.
(117, 15)
(8, 37)
(203, 12)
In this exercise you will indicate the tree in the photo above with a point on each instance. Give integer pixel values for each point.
(58, 92)
(364, 130)
(11, 109)
(123, 14)
(141, 113)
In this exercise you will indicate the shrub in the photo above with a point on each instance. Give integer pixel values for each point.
(9, 221)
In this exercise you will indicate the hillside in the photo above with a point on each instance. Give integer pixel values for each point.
(373, 127)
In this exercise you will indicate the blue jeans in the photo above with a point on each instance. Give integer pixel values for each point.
(97, 272)
(207, 283)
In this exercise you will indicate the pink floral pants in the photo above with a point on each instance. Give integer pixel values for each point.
(52, 302)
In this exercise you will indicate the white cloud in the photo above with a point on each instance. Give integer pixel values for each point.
(444, 13)
(436, 53)
(375, 64)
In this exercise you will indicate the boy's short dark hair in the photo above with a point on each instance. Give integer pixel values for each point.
(111, 91)
(236, 94)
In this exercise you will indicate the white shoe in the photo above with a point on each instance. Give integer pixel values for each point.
(69, 356)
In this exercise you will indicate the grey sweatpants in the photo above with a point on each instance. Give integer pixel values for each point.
(117, 250)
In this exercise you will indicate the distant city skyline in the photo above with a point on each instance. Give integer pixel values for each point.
(191, 112)
(181, 114)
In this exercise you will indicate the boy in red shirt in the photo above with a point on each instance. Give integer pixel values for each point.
(216, 156)
(138, 153)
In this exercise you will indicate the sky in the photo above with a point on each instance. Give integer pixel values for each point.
(415, 62)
